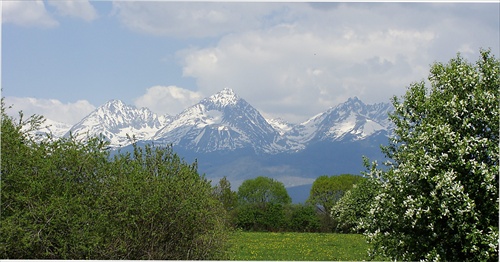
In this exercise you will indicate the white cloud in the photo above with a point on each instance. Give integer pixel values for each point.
(191, 19)
(287, 70)
(168, 99)
(300, 68)
(79, 9)
(27, 13)
(69, 113)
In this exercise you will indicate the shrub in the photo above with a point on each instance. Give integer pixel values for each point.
(66, 199)
(439, 197)
(303, 218)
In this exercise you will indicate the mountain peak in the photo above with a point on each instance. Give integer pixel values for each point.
(353, 99)
(115, 120)
(113, 102)
(113, 105)
(224, 98)
(228, 91)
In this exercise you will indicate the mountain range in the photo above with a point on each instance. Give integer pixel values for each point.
(229, 137)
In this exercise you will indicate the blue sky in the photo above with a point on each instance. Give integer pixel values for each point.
(62, 59)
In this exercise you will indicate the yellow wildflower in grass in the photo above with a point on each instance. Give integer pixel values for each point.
(297, 246)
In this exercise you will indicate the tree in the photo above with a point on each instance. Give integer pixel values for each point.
(326, 191)
(261, 204)
(226, 196)
(262, 191)
(439, 195)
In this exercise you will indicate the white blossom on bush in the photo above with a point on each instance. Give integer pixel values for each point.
(438, 197)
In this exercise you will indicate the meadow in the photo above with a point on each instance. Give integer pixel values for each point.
(297, 246)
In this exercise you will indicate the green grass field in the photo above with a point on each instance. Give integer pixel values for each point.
(297, 246)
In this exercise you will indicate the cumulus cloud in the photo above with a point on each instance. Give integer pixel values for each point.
(300, 68)
(53, 109)
(168, 99)
(27, 13)
(78, 9)
(286, 70)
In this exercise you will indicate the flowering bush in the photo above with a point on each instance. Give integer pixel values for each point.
(438, 198)
(353, 206)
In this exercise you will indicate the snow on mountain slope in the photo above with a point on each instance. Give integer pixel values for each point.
(54, 128)
(114, 120)
(280, 125)
(222, 121)
(226, 122)
(351, 120)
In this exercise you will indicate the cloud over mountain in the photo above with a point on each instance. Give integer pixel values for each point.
(167, 99)
(69, 113)
(308, 71)
(290, 60)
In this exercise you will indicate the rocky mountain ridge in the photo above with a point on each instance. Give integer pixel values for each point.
(115, 120)
(228, 137)
(224, 121)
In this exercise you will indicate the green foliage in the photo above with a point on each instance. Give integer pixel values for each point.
(257, 217)
(263, 190)
(65, 199)
(225, 195)
(264, 205)
(168, 208)
(439, 197)
(48, 194)
(354, 206)
(303, 218)
(276, 217)
(326, 191)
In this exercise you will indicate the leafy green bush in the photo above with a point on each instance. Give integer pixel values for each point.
(49, 193)
(354, 206)
(264, 205)
(303, 218)
(255, 217)
(169, 210)
(68, 199)
(326, 191)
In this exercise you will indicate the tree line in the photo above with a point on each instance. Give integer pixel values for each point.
(435, 198)
(263, 204)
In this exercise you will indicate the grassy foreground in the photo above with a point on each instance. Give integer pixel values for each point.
(297, 246)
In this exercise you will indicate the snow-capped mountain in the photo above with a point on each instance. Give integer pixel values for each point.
(114, 120)
(222, 121)
(231, 138)
(352, 120)
(226, 122)
(280, 125)
(52, 128)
